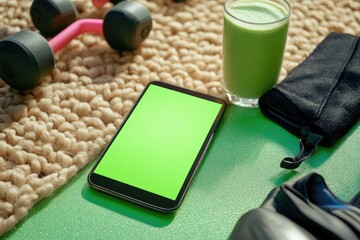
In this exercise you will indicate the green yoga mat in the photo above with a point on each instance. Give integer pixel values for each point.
(239, 170)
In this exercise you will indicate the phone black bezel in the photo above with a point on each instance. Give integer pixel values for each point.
(143, 197)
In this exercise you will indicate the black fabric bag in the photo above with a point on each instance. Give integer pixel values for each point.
(356, 200)
(319, 101)
(305, 209)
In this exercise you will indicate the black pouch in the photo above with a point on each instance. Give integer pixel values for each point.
(319, 101)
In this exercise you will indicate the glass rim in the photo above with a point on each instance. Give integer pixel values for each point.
(261, 23)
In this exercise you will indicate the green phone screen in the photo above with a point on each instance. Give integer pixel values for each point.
(160, 140)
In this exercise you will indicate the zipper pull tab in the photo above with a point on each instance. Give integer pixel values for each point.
(308, 145)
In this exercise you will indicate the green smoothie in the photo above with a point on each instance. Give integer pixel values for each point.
(253, 46)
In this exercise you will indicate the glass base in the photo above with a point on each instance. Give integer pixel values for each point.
(242, 102)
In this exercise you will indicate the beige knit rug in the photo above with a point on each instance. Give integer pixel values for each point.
(50, 133)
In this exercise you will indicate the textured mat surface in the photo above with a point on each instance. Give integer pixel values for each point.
(47, 135)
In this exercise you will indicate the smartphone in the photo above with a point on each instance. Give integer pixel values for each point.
(155, 153)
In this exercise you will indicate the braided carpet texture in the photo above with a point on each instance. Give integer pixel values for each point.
(48, 134)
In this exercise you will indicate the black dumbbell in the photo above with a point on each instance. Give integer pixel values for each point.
(26, 56)
(52, 16)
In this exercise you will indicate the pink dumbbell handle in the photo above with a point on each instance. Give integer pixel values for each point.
(77, 28)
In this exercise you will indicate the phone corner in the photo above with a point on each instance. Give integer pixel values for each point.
(89, 180)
